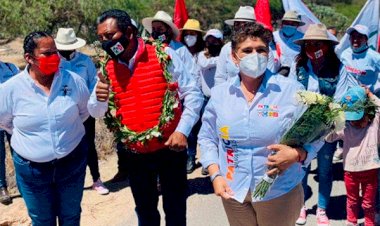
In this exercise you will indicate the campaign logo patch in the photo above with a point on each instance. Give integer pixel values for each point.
(117, 48)
(268, 111)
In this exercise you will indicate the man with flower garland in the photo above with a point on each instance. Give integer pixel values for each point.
(147, 81)
(162, 28)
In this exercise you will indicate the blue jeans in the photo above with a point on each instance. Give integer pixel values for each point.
(3, 134)
(53, 189)
(325, 175)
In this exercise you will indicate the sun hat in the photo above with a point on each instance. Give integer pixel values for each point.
(316, 32)
(244, 14)
(67, 40)
(215, 33)
(192, 25)
(162, 17)
(353, 98)
(293, 15)
(362, 29)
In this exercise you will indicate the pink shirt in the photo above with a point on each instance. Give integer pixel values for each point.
(360, 145)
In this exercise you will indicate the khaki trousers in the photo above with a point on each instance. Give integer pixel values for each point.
(281, 211)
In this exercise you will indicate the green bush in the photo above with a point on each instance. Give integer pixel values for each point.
(330, 17)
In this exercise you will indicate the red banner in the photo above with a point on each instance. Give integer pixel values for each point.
(180, 13)
(263, 15)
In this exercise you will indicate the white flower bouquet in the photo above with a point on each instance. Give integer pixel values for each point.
(321, 116)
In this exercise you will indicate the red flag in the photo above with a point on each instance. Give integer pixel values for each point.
(180, 13)
(263, 15)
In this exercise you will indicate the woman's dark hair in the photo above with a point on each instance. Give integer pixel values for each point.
(331, 66)
(199, 45)
(251, 30)
(30, 41)
(123, 20)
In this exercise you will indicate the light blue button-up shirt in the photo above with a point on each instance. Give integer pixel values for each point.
(7, 70)
(288, 49)
(235, 134)
(365, 67)
(82, 65)
(187, 59)
(188, 92)
(44, 127)
(207, 68)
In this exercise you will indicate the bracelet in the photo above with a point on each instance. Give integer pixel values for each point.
(215, 175)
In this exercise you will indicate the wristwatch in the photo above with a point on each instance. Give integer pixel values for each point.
(215, 175)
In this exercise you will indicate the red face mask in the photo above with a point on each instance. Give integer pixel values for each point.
(48, 65)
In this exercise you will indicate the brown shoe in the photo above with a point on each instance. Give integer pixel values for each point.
(119, 177)
(4, 196)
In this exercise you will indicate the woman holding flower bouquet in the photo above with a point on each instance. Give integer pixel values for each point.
(236, 143)
(318, 68)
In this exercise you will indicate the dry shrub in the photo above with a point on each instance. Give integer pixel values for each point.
(104, 140)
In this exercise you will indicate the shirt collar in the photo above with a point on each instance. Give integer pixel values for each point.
(29, 79)
(264, 82)
(72, 56)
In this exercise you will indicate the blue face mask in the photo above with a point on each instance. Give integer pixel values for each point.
(288, 30)
(360, 49)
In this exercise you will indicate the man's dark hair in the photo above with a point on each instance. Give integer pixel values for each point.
(30, 41)
(123, 20)
(251, 30)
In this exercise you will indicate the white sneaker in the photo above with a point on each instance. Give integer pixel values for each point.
(351, 224)
(302, 218)
(100, 188)
(322, 219)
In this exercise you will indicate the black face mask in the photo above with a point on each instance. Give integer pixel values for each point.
(115, 48)
(214, 50)
(66, 53)
(164, 37)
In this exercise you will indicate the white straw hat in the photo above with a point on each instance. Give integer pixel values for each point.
(67, 40)
(293, 15)
(316, 32)
(244, 14)
(163, 17)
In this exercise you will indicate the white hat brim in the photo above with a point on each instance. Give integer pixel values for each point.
(231, 21)
(301, 23)
(147, 23)
(352, 29)
(76, 45)
(191, 29)
(302, 40)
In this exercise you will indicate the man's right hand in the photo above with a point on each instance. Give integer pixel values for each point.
(102, 88)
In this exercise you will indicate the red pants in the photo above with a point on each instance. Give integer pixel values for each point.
(367, 180)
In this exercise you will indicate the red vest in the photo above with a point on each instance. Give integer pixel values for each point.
(139, 97)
